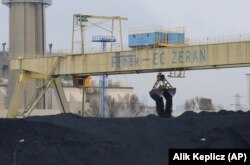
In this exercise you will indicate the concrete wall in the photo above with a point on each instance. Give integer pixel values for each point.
(3, 93)
(74, 97)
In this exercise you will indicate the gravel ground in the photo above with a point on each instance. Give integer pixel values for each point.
(68, 139)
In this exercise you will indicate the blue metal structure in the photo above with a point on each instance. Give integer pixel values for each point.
(102, 79)
(175, 38)
(144, 39)
(150, 39)
(103, 40)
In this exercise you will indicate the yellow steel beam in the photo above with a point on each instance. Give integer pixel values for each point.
(60, 96)
(33, 104)
(38, 76)
(226, 55)
(26, 76)
(17, 96)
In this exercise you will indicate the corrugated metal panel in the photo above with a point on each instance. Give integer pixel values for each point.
(146, 39)
(176, 38)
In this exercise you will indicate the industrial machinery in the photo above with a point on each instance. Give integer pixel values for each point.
(162, 88)
(167, 59)
(149, 51)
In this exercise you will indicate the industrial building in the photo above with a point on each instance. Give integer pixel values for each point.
(73, 95)
(4, 66)
(3, 93)
(116, 90)
(4, 72)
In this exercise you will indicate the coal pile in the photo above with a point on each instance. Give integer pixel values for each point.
(67, 139)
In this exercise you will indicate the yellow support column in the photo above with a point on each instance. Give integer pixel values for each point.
(18, 94)
(61, 98)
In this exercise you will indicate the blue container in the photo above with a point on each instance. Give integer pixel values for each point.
(176, 38)
(144, 39)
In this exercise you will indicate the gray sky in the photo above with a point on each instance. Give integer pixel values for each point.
(202, 18)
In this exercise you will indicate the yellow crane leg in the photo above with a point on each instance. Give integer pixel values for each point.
(17, 96)
(61, 98)
(36, 100)
(49, 80)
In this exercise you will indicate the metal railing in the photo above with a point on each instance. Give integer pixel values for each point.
(91, 49)
(217, 40)
(152, 29)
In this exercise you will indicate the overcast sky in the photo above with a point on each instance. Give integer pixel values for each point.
(202, 18)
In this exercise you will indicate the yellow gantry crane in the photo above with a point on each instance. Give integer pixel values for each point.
(194, 57)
